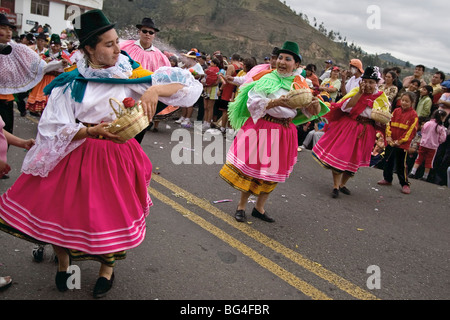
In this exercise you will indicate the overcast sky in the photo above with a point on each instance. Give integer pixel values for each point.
(413, 30)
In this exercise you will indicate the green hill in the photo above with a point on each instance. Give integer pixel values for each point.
(247, 27)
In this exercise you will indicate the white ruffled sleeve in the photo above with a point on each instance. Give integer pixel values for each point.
(185, 97)
(256, 104)
(56, 129)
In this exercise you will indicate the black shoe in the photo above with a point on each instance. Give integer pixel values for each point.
(412, 176)
(102, 286)
(344, 190)
(61, 280)
(23, 113)
(240, 216)
(335, 193)
(262, 216)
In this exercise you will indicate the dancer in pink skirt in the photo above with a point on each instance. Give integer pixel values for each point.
(264, 151)
(83, 189)
(350, 137)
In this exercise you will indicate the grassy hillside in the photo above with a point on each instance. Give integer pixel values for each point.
(247, 27)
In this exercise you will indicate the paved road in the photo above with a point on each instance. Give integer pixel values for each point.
(375, 244)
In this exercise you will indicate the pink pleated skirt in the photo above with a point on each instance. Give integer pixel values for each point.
(346, 145)
(265, 150)
(95, 200)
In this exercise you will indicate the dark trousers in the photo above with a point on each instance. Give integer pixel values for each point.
(396, 156)
(7, 114)
(20, 98)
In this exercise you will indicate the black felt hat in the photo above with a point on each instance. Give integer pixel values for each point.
(5, 22)
(372, 73)
(90, 24)
(147, 22)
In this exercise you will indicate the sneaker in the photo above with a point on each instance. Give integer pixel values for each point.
(406, 190)
(206, 126)
(186, 124)
(230, 131)
(384, 183)
(179, 121)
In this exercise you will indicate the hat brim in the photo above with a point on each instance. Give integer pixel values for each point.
(96, 32)
(139, 26)
(9, 25)
(298, 58)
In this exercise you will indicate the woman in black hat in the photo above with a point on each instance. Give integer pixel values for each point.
(83, 189)
(349, 139)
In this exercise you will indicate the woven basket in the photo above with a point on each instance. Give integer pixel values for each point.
(380, 116)
(300, 97)
(129, 122)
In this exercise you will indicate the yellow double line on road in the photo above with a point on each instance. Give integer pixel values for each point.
(285, 275)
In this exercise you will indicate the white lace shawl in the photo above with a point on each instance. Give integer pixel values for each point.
(21, 70)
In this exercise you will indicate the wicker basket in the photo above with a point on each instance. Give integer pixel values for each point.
(380, 116)
(300, 97)
(129, 122)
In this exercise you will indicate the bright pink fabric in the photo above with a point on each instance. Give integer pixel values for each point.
(150, 60)
(95, 200)
(265, 150)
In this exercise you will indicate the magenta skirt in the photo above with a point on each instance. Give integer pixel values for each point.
(265, 150)
(346, 145)
(95, 200)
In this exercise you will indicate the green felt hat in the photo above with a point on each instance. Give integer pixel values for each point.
(292, 48)
(90, 24)
(55, 39)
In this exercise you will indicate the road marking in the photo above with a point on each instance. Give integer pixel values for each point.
(307, 264)
(285, 275)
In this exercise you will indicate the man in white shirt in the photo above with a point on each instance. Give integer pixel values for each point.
(150, 57)
(355, 73)
(327, 72)
(143, 50)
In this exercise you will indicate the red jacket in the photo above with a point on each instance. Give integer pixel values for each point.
(403, 127)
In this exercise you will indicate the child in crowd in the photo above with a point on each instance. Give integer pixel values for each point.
(212, 73)
(425, 102)
(376, 159)
(399, 133)
(433, 134)
(210, 93)
(413, 151)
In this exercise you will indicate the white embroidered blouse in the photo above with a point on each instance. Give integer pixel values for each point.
(63, 117)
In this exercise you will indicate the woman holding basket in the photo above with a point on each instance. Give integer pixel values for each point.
(265, 149)
(349, 139)
(84, 189)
